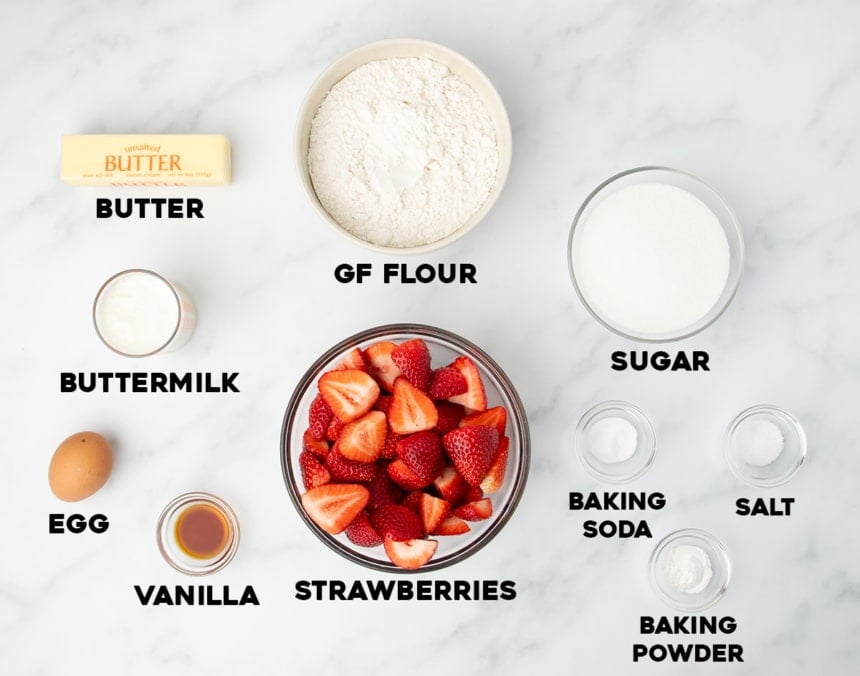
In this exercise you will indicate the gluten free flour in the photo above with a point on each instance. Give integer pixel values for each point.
(402, 152)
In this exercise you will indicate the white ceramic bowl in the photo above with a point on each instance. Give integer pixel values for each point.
(404, 48)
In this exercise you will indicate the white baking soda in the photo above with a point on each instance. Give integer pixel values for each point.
(137, 313)
(651, 258)
(612, 440)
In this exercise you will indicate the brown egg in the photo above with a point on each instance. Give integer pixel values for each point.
(80, 466)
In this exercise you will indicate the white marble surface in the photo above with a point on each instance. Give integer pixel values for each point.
(761, 99)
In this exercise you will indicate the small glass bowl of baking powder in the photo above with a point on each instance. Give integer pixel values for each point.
(690, 570)
(765, 446)
(615, 442)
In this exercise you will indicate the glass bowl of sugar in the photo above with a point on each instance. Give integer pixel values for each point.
(655, 254)
(615, 442)
(690, 570)
(765, 446)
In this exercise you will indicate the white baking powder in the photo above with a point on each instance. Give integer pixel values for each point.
(612, 439)
(758, 441)
(651, 258)
(686, 568)
(402, 152)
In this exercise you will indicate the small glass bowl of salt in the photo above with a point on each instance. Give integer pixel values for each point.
(615, 442)
(690, 570)
(765, 446)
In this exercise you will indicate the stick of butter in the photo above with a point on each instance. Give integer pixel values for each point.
(146, 159)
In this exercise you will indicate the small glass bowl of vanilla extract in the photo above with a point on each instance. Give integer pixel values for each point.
(198, 533)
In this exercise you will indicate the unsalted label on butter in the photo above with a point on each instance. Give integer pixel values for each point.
(146, 159)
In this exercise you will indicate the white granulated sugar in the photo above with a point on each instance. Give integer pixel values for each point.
(651, 258)
(686, 568)
(402, 152)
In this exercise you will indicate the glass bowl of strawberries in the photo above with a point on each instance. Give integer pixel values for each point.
(405, 448)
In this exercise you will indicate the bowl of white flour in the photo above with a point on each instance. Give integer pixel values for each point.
(403, 146)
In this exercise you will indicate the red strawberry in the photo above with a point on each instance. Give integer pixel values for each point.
(333, 506)
(412, 410)
(335, 427)
(354, 360)
(452, 525)
(413, 359)
(432, 511)
(475, 397)
(475, 511)
(447, 382)
(319, 448)
(411, 554)
(396, 522)
(450, 416)
(384, 403)
(405, 477)
(363, 439)
(493, 417)
(451, 485)
(473, 494)
(422, 453)
(413, 501)
(350, 393)
(343, 469)
(471, 449)
(319, 416)
(496, 474)
(313, 473)
(360, 532)
(380, 365)
(383, 491)
(389, 451)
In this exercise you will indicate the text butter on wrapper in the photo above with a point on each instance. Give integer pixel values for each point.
(146, 159)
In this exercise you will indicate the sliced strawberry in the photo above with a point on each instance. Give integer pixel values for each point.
(396, 522)
(319, 416)
(380, 365)
(412, 410)
(335, 427)
(452, 525)
(475, 511)
(475, 397)
(413, 501)
(496, 473)
(383, 491)
(313, 473)
(360, 532)
(447, 382)
(471, 449)
(333, 506)
(364, 439)
(493, 417)
(354, 360)
(389, 451)
(350, 393)
(432, 511)
(344, 469)
(384, 403)
(319, 448)
(473, 494)
(451, 486)
(413, 359)
(411, 554)
(450, 416)
(405, 477)
(422, 453)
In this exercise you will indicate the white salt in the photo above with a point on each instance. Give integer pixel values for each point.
(612, 440)
(758, 441)
(651, 259)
